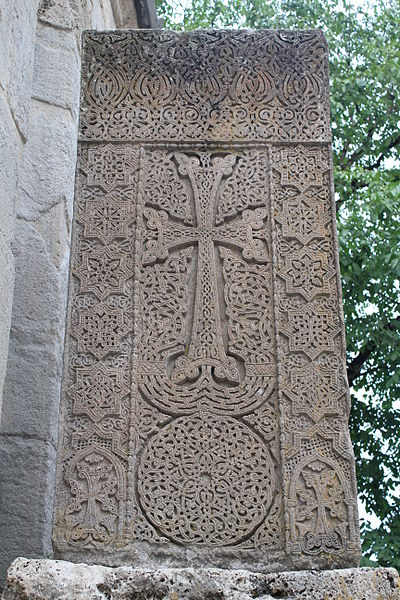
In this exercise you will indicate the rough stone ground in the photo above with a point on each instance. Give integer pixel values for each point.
(30, 579)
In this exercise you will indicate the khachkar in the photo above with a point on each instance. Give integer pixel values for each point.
(205, 404)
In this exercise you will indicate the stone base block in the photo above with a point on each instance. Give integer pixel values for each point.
(30, 579)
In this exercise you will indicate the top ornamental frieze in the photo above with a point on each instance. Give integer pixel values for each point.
(205, 86)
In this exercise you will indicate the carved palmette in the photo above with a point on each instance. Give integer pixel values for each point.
(205, 402)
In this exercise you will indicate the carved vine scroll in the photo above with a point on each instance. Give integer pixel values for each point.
(205, 405)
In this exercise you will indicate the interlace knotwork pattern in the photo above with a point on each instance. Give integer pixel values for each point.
(97, 383)
(206, 480)
(196, 362)
(215, 85)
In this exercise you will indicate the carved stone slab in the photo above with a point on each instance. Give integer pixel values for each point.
(205, 404)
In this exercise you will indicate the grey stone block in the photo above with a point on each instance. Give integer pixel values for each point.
(38, 309)
(58, 580)
(48, 165)
(76, 16)
(54, 227)
(31, 383)
(56, 52)
(20, 66)
(102, 15)
(57, 13)
(6, 292)
(10, 150)
(5, 35)
(124, 12)
(31, 392)
(10, 147)
(26, 497)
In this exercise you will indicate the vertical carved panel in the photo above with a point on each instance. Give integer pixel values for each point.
(318, 460)
(96, 416)
(205, 405)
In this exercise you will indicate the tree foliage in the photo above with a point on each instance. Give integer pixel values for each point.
(364, 41)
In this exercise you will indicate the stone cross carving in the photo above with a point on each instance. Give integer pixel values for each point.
(206, 348)
(205, 405)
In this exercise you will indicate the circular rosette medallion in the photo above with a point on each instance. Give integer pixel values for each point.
(206, 480)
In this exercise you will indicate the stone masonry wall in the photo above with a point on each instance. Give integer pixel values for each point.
(39, 98)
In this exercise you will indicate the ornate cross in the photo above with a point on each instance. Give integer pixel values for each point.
(323, 496)
(94, 483)
(205, 173)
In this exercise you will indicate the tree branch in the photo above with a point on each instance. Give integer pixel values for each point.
(343, 165)
(355, 366)
(356, 185)
(392, 144)
(358, 153)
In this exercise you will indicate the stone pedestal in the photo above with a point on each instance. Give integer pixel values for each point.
(30, 579)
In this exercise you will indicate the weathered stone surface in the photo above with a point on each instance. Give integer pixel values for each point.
(10, 151)
(26, 498)
(56, 51)
(205, 403)
(23, 30)
(78, 15)
(102, 13)
(57, 13)
(59, 580)
(48, 161)
(6, 289)
(5, 36)
(126, 18)
(10, 148)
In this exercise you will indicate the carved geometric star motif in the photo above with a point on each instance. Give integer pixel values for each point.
(110, 167)
(301, 167)
(314, 390)
(103, 273)
(100, 330)
(307, 274)
(302, 220)
(97, 391)
(310, 330)
(107, 218)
